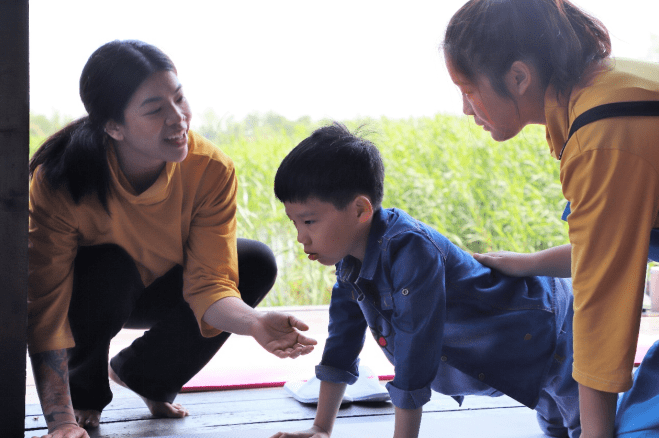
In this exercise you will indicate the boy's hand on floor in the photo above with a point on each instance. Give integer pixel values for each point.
(314, 432)
(279, 334)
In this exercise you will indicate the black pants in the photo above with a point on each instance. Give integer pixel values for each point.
(108, 295)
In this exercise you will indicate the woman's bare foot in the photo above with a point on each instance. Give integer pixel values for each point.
(158, 409)
(87, 419)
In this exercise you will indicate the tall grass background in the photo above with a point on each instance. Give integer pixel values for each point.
(443, 170)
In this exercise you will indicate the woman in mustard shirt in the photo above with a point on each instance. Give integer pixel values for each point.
(520, 62)
(133, 224)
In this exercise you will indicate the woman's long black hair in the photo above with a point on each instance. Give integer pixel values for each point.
(75, 157)
(487, 36)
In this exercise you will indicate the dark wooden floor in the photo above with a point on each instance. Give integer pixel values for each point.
(258, 413)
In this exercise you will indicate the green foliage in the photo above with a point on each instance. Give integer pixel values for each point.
(444, 170)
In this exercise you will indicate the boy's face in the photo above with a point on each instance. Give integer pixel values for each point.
(328, 234)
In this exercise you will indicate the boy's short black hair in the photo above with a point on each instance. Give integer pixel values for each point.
(332, 165)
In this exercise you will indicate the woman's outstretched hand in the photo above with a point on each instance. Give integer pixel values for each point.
(279, 333)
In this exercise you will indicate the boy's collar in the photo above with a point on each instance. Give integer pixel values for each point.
(371, 256)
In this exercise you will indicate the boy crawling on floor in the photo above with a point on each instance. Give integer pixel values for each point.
(445, 321)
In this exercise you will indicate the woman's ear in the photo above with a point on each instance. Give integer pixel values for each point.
(114, 130)
(364, 209)
(519, 77)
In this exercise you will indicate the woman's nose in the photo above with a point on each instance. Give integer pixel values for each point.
(176, 115)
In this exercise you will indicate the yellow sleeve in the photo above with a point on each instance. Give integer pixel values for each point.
(613, 196)
(53, 243)
(211, 257)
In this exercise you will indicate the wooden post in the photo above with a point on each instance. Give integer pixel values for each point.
(14, 151)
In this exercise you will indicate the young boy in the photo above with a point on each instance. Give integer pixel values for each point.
(445, 321)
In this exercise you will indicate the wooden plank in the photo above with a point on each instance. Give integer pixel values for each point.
(14, 150)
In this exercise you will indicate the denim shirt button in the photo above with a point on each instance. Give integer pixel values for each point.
(481, 376)
(405, 292)
(528, 337)
(444, 358)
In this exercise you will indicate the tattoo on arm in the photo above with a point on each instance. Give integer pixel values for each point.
(57, 361)
(51, 375)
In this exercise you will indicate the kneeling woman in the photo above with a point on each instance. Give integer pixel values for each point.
(133, 224)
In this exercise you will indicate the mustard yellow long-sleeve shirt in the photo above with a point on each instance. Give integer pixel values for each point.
(610, 174)
(187, 217)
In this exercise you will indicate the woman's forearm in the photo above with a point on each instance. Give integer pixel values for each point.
(555, 262)
(232, 315)
(598, 412)
(51, 376)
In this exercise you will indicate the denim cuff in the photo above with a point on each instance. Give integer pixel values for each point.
(335, 375)
(408, 399)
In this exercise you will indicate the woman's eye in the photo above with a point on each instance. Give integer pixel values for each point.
(155, 111)
(309, 222)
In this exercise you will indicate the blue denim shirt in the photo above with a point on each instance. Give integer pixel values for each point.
(443, 320)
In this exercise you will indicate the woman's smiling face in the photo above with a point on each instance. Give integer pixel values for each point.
(156, 124)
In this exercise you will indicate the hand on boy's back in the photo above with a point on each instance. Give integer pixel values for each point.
(510, 263)
(314, 432)
(278, 333)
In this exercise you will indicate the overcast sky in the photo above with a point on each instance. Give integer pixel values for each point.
(338, 59)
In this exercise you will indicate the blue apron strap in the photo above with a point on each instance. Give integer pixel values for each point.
(566, 212)
(653, 253)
